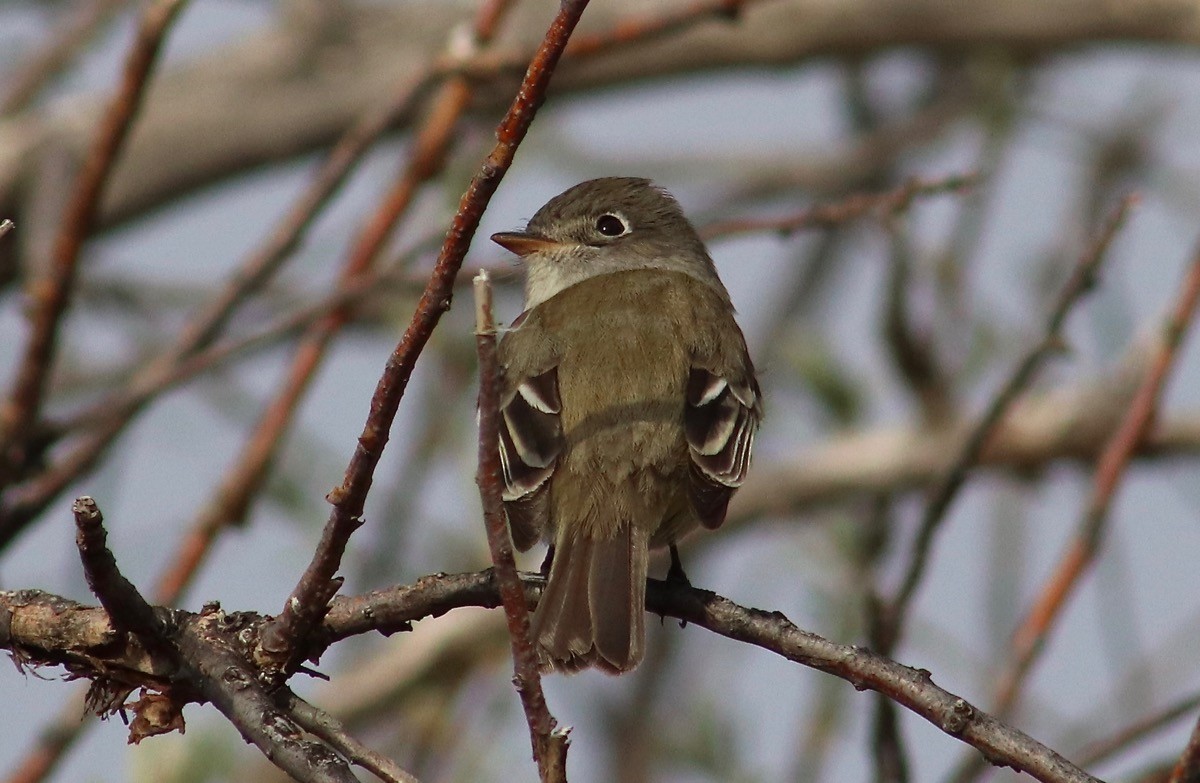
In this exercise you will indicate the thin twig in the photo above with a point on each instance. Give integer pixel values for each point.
(6, 225)
(1104, 749)
(49, 295)
(549, 746)
(1081, 280)
(912, 348)
(321, 724)
(842, 211)
(283, 639)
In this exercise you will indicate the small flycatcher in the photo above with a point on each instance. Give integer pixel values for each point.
(629, 408)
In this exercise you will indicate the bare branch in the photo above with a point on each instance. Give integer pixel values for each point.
(850, 208)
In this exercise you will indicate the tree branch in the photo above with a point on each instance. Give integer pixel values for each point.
(283, 641)
(71, 627)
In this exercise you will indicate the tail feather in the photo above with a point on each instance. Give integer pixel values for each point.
(592, 612)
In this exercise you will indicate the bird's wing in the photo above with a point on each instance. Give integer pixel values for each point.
(531, 440)
(720, 420)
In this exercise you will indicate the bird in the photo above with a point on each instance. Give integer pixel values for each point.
(628, 412)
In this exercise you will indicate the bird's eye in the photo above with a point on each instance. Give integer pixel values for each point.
(611, 226)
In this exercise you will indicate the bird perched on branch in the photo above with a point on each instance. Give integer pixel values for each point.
(629, 408)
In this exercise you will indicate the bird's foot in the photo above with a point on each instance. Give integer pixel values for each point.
(675, 574)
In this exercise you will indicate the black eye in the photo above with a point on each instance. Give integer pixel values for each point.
(611, 226)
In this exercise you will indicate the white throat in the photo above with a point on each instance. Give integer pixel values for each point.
(546, 277)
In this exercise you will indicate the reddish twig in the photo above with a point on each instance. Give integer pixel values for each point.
(49, 295)
(838, 212)
(1081, 280)
(283, 640)
(1110, 471)
(66, 42)
(549, 746)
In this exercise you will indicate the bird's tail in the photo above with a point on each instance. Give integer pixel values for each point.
(592, 612)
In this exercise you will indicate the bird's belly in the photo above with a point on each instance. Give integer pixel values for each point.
(626, 456)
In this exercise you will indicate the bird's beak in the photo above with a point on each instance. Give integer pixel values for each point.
(523, 243)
